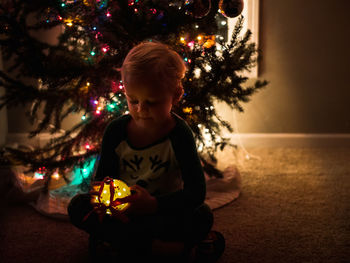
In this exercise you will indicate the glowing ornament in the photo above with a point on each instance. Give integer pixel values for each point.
(105, 193)
(231, 8)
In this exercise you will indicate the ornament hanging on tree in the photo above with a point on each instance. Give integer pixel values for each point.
(198, 8)
(105, 194)
(231, 8)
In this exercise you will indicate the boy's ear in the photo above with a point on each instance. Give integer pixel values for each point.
(178, 95)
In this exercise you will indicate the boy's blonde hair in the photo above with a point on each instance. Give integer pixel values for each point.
(155, 64)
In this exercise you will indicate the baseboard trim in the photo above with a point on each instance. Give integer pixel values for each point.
(291, 139)
(242, 139)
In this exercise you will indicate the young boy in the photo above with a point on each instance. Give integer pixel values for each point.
(154, 152)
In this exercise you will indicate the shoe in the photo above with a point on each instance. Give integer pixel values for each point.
(210, 249)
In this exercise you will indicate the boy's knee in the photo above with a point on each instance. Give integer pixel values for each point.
(78, 208)
(204, 213)
(203, 220)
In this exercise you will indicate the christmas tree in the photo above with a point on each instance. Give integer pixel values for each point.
(79, 74)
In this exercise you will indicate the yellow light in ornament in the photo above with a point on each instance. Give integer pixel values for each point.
(107, 193)
(182, 39)
(199, 37)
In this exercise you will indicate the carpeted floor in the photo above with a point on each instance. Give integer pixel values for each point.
(294, 207)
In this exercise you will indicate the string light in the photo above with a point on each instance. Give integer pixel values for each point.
(38, 176)
(56, 176)
(187, 110)
(69, 22)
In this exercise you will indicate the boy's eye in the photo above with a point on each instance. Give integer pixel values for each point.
(134, 102)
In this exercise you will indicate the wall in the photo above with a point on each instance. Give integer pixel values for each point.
(306, 58)
(3, 115)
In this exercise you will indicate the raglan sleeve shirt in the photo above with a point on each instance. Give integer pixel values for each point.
(108, 163)
(194, 187)
(182, 142)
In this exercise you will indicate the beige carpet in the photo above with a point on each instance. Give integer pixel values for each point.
(294, 206)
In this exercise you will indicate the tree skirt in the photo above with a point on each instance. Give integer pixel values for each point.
(220, 191)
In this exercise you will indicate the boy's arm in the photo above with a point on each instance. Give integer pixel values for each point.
(194, 188)
(108, 162)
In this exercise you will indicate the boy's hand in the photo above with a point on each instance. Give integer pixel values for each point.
(141, 202)
(117, 214)
(92, 191)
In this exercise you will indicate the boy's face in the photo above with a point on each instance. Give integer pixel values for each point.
(148, 106)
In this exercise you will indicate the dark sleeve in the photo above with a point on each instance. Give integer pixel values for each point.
(108, 162)
(194, 188)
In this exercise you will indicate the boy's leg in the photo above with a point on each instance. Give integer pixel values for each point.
(129, 237)
(78, 208)
(179, 233)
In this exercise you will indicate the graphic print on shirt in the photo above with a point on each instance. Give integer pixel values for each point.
(154, 166)
(133, 164)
